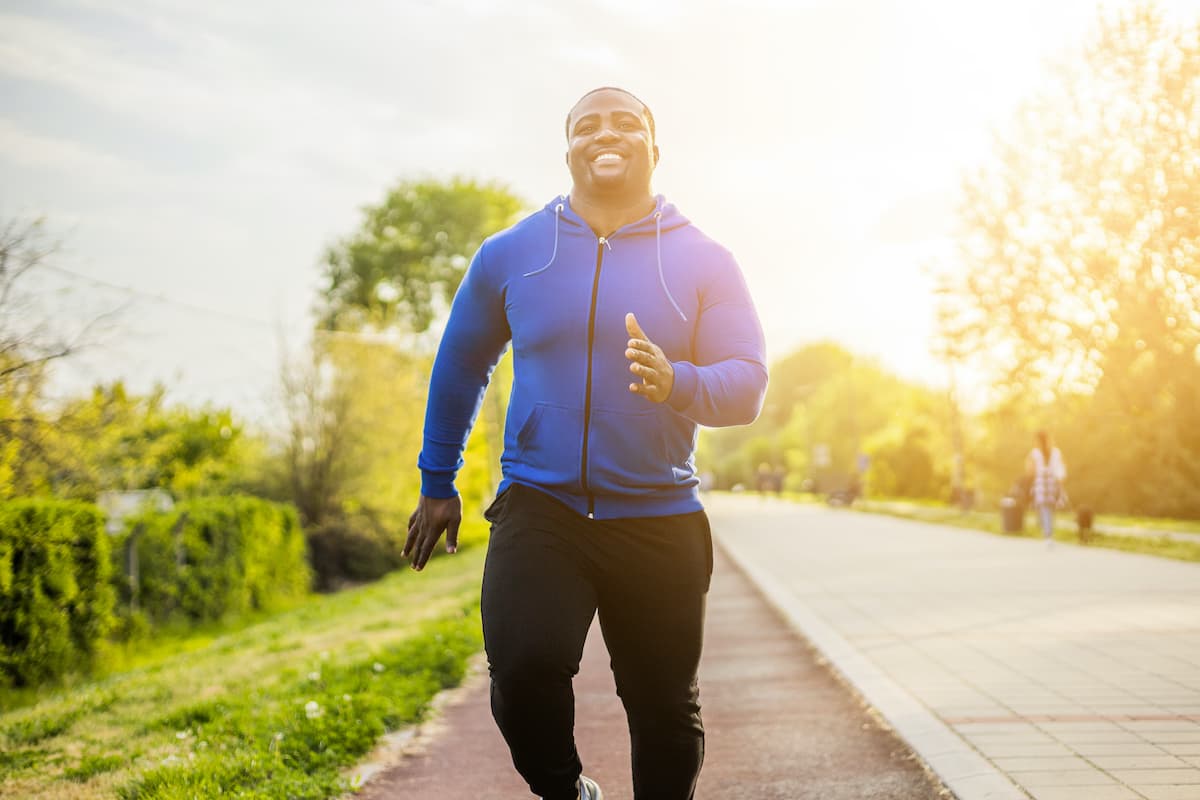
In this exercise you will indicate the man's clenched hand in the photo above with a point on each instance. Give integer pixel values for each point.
(425, 527)
(648, 362)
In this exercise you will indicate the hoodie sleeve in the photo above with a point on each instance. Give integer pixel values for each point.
(476, 335)
(726, 383)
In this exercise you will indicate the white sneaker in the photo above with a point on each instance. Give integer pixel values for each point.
(588, 790)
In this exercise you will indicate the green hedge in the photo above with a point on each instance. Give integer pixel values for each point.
(213, 557)
(56, 598)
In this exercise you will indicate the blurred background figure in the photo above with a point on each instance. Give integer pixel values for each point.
(769, 480)
(1045, 471)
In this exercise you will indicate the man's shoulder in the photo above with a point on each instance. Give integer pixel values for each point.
(521, 235)
(700, 249)
(682, 232)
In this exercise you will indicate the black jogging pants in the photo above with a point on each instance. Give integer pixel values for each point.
(548, 572)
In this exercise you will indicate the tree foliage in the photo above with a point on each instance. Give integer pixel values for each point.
(353, 402)
(354, 415)
(353, 430)
(407, 258)
(114, 440)
(822, 398)
(1078, 288)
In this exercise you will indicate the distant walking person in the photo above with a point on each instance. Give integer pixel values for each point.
(1046, 471)
(629, 328)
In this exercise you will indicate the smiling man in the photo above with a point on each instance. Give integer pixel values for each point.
(629, 329)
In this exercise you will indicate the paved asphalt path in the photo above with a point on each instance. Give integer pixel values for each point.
(780, 725)
(1015, 670)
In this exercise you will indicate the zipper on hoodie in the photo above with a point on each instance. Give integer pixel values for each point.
(601, 243)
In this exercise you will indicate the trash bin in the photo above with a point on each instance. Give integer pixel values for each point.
(1012, 515)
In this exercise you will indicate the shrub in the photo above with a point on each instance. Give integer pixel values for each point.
(56, 599)
(341, 551)
(215, 557)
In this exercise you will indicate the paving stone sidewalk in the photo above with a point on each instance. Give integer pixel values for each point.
(1016, 671)
(780, 725)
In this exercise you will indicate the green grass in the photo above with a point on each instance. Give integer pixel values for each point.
(270, 708)
(1154, 523)
(1064, 531)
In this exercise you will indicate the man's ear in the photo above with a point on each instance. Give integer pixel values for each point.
(656, 155)
(567, 158)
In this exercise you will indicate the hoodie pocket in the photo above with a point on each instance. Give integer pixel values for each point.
(627, 453)
(548, 446)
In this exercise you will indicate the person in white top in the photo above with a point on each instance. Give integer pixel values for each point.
(1046, 471)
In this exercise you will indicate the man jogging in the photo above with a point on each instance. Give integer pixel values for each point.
(629, 328)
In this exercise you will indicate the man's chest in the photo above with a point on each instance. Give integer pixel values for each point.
(582, 300)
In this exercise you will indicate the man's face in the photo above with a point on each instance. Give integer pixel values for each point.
(610, 151)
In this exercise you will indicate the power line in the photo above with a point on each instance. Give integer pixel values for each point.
(159, 298)
(379, 338)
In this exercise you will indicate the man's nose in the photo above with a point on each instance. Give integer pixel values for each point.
(606, 134)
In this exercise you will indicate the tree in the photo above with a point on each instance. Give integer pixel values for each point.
(824, 397)
(735, 453)
(1079, 278)
(1081, 240)
(30, 342)
(406, 260)
(353, 410)
(353, 403)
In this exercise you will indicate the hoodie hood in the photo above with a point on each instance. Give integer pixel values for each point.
(671, 217)
(665, 217)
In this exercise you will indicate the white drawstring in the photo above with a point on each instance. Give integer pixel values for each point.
(557, 214)
(662, 280)
(658, 252)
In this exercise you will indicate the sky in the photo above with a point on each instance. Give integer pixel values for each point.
(193, 160)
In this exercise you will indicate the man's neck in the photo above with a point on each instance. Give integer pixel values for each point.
(607, 216)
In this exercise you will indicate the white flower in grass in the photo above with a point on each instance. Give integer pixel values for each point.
(181, 735)
(312, 709)
(378, 667)
(324, 656)
(170, 760)
(315, 675)
(278, 736)
(346, 698)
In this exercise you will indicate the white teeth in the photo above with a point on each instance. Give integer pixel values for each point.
(607, 157)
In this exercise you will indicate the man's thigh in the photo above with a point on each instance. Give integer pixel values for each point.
(652, 604)
(538, 598)
(655, 646)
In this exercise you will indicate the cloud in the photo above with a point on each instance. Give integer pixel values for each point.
(29, 150)
(204, 86)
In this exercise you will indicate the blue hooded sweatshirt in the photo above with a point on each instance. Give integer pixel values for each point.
(560, 293)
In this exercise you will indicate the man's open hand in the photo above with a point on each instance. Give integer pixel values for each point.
(648, 362)
(425, 527)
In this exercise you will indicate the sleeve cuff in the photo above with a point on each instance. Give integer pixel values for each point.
(683, 390)
(437, 485)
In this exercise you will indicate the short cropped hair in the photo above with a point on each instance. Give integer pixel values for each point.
(645, 108)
